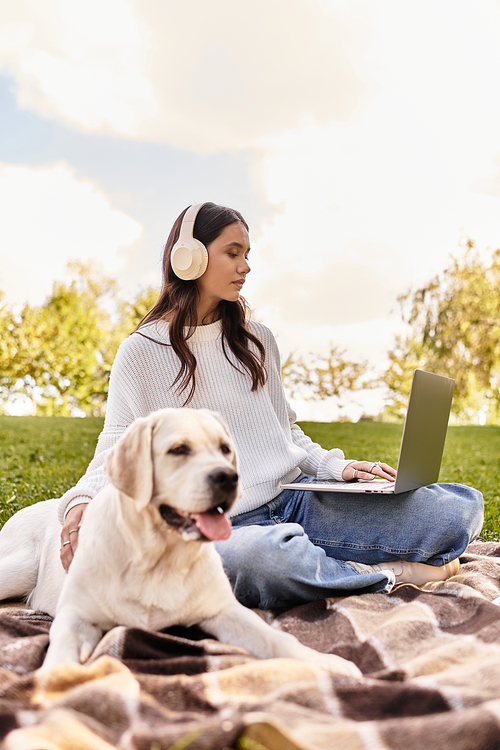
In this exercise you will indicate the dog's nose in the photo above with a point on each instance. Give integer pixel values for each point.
(223, 479)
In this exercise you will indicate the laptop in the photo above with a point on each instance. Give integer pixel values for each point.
(422, 444)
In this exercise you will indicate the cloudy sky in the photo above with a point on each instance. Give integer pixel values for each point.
(359, 138)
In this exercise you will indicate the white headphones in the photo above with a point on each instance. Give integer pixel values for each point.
(189, 257)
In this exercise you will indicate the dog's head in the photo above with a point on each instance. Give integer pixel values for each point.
(182, 465)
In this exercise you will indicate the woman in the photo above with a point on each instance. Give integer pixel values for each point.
(197, 348)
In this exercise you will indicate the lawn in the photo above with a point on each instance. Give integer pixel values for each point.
(41, 457)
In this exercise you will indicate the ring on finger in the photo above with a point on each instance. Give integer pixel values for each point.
(373, 466)
(355, 474)
(74, 531)
(65, 543)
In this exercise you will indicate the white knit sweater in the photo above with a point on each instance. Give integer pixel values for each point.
(269, 443)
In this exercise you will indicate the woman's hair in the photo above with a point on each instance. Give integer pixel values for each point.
(178, 302)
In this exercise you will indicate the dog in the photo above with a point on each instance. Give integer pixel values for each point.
(145, 557)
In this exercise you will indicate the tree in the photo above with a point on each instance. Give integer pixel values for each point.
(56, 350)
(7, 325)
(59, 354)
(324, 377)
(454, 323)
(131, 313)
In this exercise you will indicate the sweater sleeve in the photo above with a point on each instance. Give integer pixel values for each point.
(120, 412)
(320, 463)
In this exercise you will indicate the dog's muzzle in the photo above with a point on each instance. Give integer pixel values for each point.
(224, 483)
(213, 524)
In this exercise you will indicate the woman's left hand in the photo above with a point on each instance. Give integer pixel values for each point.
(70, 533)
(368, 470)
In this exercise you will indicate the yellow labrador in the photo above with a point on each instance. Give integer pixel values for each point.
(145, 556)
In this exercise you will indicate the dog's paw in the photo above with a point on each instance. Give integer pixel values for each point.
(337, 665)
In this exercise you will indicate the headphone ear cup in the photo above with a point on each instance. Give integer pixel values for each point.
(189, 259)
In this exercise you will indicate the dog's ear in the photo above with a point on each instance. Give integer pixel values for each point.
(129, 463)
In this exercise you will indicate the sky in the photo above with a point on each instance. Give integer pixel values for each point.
(360, 139)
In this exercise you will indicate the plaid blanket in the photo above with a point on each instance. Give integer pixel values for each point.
(430, 658)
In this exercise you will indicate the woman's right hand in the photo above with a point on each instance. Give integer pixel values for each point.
(70, 532)
(368, 470)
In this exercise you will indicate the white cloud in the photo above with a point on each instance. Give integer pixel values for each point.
(79, 62)
(206, 76)
(48, 217)
(489, 184)
(366, 209)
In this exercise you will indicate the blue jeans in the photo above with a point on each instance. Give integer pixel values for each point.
(296, 548)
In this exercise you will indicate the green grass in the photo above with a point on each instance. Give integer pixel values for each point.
(42, 457)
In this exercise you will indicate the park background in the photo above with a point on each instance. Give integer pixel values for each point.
(360, 140)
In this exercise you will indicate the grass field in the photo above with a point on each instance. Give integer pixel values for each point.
(42, 457)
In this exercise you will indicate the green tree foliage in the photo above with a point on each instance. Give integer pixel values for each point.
(321, 377)
(55, 350)
(7, 325)
(130, 314)
(454, 323)
(59, 354)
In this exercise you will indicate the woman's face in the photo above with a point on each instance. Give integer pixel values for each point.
(227, 268)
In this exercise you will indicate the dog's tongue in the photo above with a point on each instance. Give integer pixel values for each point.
(214, 525)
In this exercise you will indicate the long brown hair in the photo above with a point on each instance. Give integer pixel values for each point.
(178, 303)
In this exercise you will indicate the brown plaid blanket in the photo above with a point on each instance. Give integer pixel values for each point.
(430, 658)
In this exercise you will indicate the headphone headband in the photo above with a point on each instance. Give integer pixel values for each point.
(189, 219)
(189, 257)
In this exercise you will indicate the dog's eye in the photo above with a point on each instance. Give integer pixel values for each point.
(225, 449)
(180, 450)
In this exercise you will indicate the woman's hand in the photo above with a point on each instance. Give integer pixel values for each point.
(70, 532)
(368, 471)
